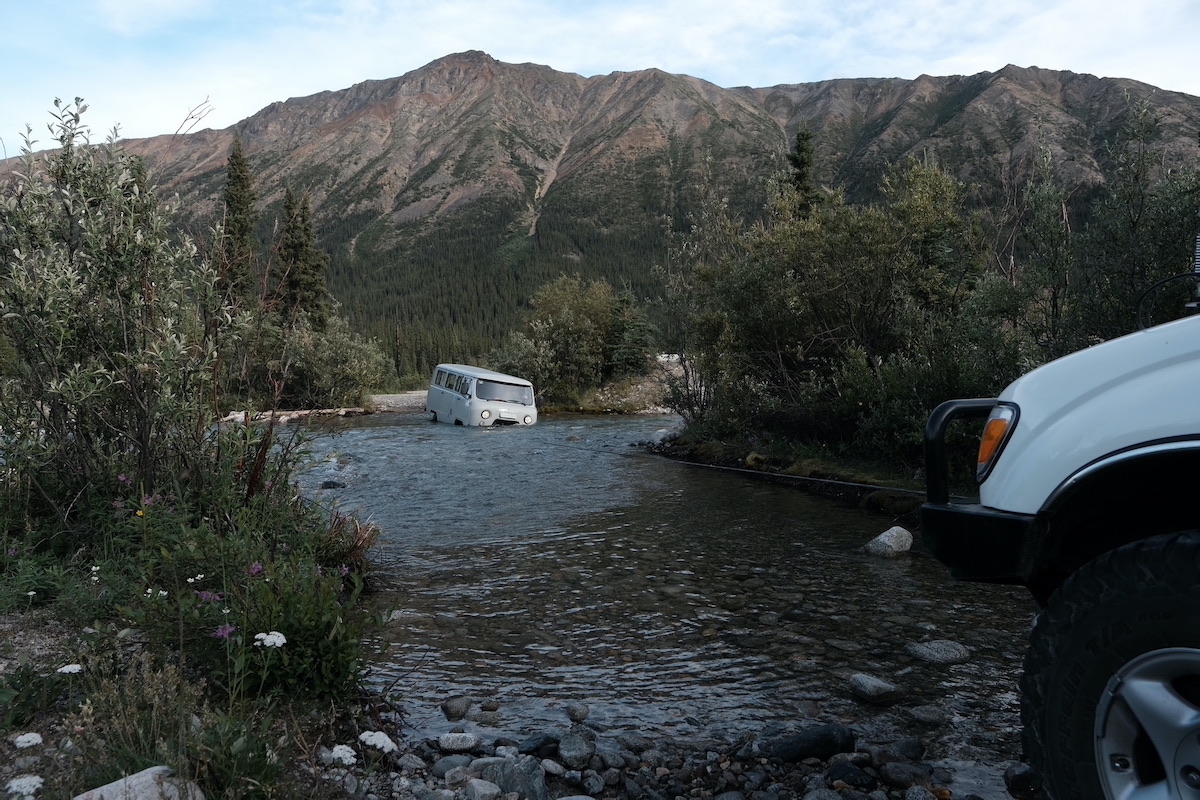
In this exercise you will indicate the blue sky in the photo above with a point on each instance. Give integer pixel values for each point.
(144, 64)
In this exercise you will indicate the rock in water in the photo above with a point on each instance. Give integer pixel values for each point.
(939, 651)
(819, 741)
(876, 690)
(893, 542)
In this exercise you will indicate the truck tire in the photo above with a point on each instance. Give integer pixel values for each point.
(1111, 689)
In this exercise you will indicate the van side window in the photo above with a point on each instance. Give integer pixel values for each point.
(440, 380)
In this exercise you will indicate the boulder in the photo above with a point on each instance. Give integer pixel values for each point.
(153, 783)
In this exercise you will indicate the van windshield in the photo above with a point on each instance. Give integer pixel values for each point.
(504, 392)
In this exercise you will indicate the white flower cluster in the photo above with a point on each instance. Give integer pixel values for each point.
(272, 639)
(379, 740)
(343, 754)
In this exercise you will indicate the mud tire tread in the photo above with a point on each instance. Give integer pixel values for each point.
(1154, 577)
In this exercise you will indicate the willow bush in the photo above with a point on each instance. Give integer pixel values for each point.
(124, 502)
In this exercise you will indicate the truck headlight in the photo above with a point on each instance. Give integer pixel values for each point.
(528, 420)
(996, 432)
(485, 414)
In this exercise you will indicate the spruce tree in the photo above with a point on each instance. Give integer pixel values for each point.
(302, 284)
(802, 161)
(239, 247)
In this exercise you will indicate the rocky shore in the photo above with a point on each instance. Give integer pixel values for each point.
(582, 760)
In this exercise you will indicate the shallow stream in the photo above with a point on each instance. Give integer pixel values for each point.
(537, 566)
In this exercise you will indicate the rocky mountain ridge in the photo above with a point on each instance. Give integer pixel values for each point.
(469, 182)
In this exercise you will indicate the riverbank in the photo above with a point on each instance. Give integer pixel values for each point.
(779, 606)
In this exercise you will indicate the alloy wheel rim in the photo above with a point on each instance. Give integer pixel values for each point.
(1147, 731)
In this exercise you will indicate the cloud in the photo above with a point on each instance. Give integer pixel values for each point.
(141, 17)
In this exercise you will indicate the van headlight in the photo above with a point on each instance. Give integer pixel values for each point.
(528, 420)
(485, 414)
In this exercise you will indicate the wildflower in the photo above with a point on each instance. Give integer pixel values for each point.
(224, 610)
(24, 785)
(27, 740)
(379, 740)
(31, 593)
(13, 552)
(95, 574)
(256, 569)
(272, 639)
(139, 513)
(345, 570)
(70, 669)
(224, 631)
(210, 597)
(343, 754)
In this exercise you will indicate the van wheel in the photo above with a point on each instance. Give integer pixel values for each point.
(434, 419)
(1111, 688)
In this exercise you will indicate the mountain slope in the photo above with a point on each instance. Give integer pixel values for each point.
(447, 195)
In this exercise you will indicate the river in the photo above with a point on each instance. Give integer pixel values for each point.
(532, 567)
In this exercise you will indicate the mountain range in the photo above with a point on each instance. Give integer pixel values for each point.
(447, 195)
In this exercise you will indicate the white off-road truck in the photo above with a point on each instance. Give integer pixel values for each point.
(1089, 494)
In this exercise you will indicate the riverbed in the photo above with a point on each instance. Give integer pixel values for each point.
(531, 568)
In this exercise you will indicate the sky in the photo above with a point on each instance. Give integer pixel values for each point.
(160, 66)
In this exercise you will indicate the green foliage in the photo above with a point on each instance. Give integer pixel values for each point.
(841, 327)
(140, 712)
(239, 245)
(301, 264)
(802, 160)
(115, 328)
(24, 694)
(833, 324)
(578, 335)
(329, 367)
(124, 496)
(291, 349)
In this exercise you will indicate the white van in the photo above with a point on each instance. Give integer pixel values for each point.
(467, 395)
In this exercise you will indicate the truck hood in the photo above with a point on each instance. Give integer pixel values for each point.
(1140, 388)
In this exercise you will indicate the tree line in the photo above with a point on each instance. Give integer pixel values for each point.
(300, 351)
(832, 328)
